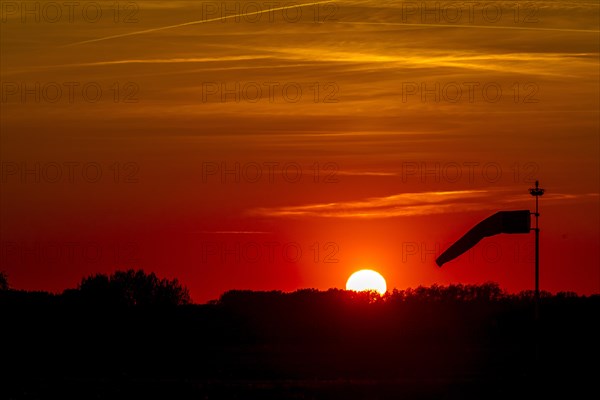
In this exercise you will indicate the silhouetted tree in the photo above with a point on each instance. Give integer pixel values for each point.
(131, 288)
(3, 281)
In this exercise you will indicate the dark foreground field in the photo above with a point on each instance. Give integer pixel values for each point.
(436, 343)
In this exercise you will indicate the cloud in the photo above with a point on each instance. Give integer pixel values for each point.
(366, 173)
(419, 204)
(398, 205)
(234, 232)
(149, 61)
(459, 26)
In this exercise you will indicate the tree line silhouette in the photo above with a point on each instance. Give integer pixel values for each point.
(131, 334)
(138, 288)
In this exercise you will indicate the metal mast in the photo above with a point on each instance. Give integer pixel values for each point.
(537, 192)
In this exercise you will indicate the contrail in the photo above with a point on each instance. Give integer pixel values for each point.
(203, 21)
(235, 232)
(472, 26)
(158, 61)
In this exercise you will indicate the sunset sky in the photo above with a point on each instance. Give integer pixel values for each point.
(233, 147)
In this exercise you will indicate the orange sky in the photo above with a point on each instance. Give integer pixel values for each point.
(408, 126)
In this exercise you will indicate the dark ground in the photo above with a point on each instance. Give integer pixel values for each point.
(437, 343)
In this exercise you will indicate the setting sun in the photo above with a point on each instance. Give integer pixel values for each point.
(366, 279)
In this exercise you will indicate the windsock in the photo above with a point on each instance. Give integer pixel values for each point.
(501, 222)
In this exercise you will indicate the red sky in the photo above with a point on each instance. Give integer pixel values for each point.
(287, 149)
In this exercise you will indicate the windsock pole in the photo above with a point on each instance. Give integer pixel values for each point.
(537, 192)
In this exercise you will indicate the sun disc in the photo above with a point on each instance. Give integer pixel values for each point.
(366, 279)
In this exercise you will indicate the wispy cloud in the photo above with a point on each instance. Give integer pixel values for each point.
(179, 60)
(366, 173)
(233, 232)
(459, 26)
(404, 204)
(554, 198)
(417, 204)
(271, 58)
